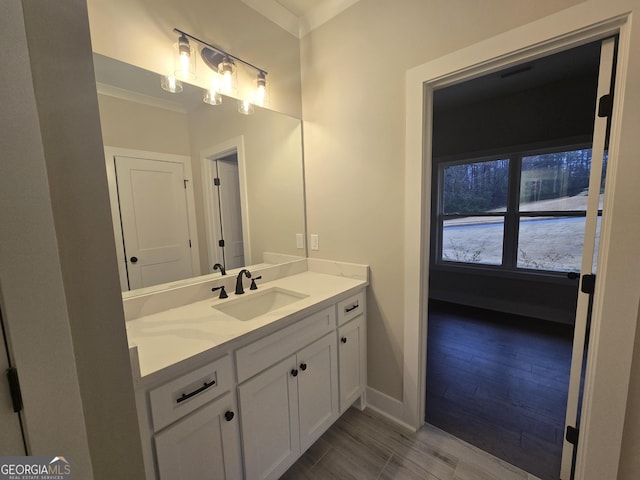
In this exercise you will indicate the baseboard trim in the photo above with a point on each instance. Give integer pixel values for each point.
(388, 407)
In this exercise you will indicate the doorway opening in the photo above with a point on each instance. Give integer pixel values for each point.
(512, 162)
(226, 205)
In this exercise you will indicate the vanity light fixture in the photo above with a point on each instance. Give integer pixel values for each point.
(184, 61)
(212, 97)
(261, 89)
(225, 65)
(245, 107)
(170, 84)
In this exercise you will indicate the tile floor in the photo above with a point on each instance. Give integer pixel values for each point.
(365, 445)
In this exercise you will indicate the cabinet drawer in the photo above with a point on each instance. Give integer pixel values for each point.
(265, 352)
(350, 307)
(183, 395)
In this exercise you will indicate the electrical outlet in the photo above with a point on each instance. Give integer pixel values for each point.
(315, 242)
(299, 240)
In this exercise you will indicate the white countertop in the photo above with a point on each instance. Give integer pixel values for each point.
(171, 336)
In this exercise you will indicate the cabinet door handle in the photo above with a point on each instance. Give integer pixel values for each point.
(294, 372)
(186, 396)
(229, 416)
(303, 366)
(351, 308)
(343, 339)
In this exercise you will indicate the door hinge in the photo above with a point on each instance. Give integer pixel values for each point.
(572, 435)
(221, 243)
(605, 105)
(216, 182)
(14, 389)
(185, 183)
(189, 243)
(588, 284)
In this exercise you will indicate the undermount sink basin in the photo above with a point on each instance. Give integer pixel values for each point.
(259, 303)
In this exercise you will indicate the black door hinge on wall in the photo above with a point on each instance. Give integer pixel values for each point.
(221, 243)
(572, 435)
(605, 105)
(14, 389)
(588, 284)
(216, 182)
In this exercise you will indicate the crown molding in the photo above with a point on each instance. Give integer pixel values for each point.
(130, 96)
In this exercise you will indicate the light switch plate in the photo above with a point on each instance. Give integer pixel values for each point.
(315, 242)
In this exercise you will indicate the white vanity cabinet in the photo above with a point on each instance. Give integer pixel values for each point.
(194, 425)
(352, 350)
(249, 408)
(204, 444)
(289, 405)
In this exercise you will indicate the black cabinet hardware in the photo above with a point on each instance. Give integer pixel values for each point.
(133, 259)
(351, 308)
(186, 396)
(294, 372)
(343, 339)
(229, 416)
(303, 366)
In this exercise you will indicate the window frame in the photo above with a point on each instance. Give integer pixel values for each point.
(512, 216)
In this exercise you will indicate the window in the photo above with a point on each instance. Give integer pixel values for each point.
(521, 211)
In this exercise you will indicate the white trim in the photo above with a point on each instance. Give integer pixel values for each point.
(386, 406)
(598, 453)
(277, 14)
(128, 95)
(109, 154)
(235, 144)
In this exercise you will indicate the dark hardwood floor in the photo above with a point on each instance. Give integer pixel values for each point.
(499, 382)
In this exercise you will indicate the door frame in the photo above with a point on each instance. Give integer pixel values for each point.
(212, 221)
(600, 443)
(109, 155)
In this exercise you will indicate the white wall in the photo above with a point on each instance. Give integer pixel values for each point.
(132, 125)
(353, 74)
(60, 291)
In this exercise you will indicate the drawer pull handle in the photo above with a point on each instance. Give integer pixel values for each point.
(303, 366)
(294, 373)
(343, 339)
(186, 396)
(351, 308)
(229, 416)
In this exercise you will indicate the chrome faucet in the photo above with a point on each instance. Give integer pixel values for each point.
(239, 286)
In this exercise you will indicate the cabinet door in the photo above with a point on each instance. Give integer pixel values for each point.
(352, 361)
(203, 445)
(270, 428)
(317, 388)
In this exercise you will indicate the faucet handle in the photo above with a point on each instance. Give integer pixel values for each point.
(223, 293)
(253, 283)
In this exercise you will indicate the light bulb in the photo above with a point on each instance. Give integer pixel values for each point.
(226, 68)
(212, 97)
(184, 59)
(245, 107)
(170, 84)
(261, 92)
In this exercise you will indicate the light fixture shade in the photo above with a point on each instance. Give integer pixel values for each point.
(245, 107)
(227, 69)
(170, 84)
(212, 97)
(184, 59)
(261, 89)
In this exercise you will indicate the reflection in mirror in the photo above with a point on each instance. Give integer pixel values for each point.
(193, 184)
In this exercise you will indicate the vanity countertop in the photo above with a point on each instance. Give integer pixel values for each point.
(168, 337)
